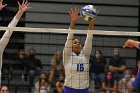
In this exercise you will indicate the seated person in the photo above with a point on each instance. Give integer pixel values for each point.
(109, 85)
(117, 65)
(21, 57)
(33, 65)
(60, 83)
(56, 68)
(125, 84)
(97, 68)
(42, 84)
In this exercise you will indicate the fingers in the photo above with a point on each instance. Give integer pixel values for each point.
(26, 2)
(75, 10)
(23, 2)
(69, 12)
(18, 3)
(126, 45)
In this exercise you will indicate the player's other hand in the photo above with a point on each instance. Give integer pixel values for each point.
(24, 6)
(131, 44)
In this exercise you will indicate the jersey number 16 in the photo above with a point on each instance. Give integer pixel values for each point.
(80, 67)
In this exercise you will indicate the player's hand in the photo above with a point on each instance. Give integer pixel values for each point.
(131, 44)
(2, 5)
(74, 14)
(24, 6)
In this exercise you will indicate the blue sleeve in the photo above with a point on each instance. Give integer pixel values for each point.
(136, 82)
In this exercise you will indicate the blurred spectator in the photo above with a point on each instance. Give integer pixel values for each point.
(91, 85)
(4, 89)
(97, 68)
(56, 67)
(110, 84)
(42, 86)
(21, 57)
(117, 65)
(59, 84)
(33, 65)
(125, 84)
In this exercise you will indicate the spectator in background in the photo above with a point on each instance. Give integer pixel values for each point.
(60, 83)
(117, 65)
(56, 68)
(91, 85)
(125, 84)
(21, 57)
(97, 67)
(4, 89)
(33, 65)
(42, 86)
(109, 85)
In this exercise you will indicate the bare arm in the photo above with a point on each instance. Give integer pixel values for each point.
(68, 45)
(104, 87)
(88, 43)
(120, 86)
(59, 88)
(6, 37)
(52, 72)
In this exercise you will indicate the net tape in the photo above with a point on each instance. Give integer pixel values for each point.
(52, 30)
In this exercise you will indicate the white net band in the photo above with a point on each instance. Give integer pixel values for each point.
(52, 30)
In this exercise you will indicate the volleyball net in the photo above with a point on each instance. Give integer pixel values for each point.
(47, 41)
(51, 40)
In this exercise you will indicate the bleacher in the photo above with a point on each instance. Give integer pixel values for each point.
(114, 15)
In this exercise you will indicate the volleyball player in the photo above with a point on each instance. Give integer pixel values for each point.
(76, 58)
(6, 37)
(130, 44)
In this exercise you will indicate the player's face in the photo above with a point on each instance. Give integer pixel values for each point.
(4, 90)
(76, 46)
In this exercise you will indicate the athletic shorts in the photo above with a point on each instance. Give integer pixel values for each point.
(71, 90)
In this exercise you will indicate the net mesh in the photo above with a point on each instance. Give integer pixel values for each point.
(48, 41)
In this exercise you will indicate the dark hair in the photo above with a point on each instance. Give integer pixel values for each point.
(99, 52)
(3, 86)
(111, 81)
(42, 72)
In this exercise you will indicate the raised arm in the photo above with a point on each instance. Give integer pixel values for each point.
(68, 45)
(2, 5)
(6, 37)
(88, 43)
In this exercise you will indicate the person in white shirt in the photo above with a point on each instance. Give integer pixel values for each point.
(6, 37)
(76, 58)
